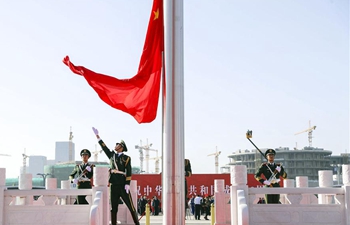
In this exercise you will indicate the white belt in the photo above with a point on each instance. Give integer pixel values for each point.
(117, 171)
(274, 181)
(83, 179)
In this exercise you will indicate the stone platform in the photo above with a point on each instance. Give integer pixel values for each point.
(158, 220)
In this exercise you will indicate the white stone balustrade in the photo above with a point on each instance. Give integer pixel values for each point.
(53, 208)
(333, 210)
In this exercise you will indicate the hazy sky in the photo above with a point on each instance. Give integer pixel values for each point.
(269, 66)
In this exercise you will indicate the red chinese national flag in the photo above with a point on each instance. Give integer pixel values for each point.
(138, 95)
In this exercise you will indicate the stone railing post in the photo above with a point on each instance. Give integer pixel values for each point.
(64, 200)
(243, 212)
(325, 179)
(346, 174)
(2, 198)
(238, 182)
(346, 186)
(50, 184)
(303, 182)
(287, 183)
(25, 183)
(100, 178)
(220, 204)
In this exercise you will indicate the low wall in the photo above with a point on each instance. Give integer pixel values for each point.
(295, 213)
(299, 205)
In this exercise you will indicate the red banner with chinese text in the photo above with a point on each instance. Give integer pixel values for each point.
(203, 184)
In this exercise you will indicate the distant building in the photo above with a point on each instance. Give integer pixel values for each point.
(51, 162)
(62, 151)
(36, 165)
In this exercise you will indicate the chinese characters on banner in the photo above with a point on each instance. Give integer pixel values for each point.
(201, 184)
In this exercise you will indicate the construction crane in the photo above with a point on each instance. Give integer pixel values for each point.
(70, 157)
(156, 163)
(24, 171)
(309, 131)
(146, 148)
(141, 159)
(95, 153)
(216, 154)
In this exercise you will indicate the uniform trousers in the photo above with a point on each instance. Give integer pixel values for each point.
(117, 191)
(82, 198)
(272, 199)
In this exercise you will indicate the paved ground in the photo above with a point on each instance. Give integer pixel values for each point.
(158, 220)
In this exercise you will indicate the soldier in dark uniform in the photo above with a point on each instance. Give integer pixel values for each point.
(277, 171)
(188, 173)
(119, 178)
(84, 173)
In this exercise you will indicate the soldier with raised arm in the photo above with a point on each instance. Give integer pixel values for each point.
(119, 178)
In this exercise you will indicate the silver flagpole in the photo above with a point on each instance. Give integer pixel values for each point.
(173, 179)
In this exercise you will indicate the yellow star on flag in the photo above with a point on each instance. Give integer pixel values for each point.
(156, 14)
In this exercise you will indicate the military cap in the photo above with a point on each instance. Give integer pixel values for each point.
(85, 152)
(270, 151)
(122, 143)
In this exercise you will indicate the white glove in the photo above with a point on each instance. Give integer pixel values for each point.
(278, 168)
(75, 181)
(95, 130)
(127, 188)
(88, 168)
(266, 182)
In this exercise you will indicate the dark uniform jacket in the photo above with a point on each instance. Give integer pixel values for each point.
(188, 170)
(123, 162)
(267, 173)
(79, 169)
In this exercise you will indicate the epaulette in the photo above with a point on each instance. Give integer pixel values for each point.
(264, 164)
(127, 159)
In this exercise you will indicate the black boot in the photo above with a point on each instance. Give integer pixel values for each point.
(135, 218)
(113, 218)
